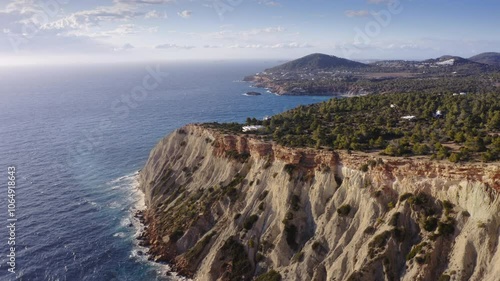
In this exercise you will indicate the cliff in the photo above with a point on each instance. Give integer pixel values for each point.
(227, 207)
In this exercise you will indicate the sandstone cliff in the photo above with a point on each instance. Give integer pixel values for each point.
(224, 207)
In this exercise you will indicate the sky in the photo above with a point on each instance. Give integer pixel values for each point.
(72, 31)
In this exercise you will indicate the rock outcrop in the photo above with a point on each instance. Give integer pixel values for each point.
(229, 207)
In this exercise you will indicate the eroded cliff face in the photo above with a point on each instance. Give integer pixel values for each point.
(224, 207)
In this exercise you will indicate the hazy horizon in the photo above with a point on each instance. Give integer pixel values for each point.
(71, 32)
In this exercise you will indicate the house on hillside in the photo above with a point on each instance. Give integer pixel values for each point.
(252, 128)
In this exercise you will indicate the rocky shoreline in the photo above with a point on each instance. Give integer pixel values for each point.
(157, 252)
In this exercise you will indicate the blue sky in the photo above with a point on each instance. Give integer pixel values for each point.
(61, 31)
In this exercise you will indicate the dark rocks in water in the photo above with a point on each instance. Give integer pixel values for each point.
(144, 243)
(140, 253)
(142, 237)
(130, 225)
(253, 94)
(160, 259)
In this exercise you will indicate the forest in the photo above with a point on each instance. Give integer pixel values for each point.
(443, 126)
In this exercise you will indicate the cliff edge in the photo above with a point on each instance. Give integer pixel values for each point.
(233, 207)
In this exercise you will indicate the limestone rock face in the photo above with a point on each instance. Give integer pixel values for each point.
(229, 207)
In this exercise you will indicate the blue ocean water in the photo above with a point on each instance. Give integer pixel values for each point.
(78, 135)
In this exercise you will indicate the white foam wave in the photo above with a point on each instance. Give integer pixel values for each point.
(138, 203)
(114, 205)
(120, 234)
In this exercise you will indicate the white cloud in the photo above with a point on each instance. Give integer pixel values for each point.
(293, 45)
(119, 31)
(185, 14)
(22, 7)
(172, 46)
(357, 13)
(264, 30)
(154, 14)
(92, 18)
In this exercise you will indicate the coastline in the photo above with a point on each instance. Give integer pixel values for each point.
(142, 247)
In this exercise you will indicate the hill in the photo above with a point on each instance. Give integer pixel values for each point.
(490, 58)
(317, 62)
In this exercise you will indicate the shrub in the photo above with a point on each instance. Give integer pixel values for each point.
(344, 210)
(430, 224)
(249, 221)
(197, 249)
(446, 228)
(447, 205)
(262, 206)
(444, 277)
(364, 168)
(234, 252)
(394, 219)
(380, 240)
(454, 157)
(316, 246)
(405, 196)
(269, 276)
(419, 199)
(176, 235)
(298, 257)
(415, 250)
(390, 205)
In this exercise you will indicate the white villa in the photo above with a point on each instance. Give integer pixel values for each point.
(252, 128)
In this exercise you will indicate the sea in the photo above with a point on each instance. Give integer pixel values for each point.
(76, 137)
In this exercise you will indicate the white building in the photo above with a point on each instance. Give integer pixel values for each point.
(409, 117)
(252, 128)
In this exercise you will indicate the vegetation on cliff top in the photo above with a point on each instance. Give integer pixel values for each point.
(443, 126)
